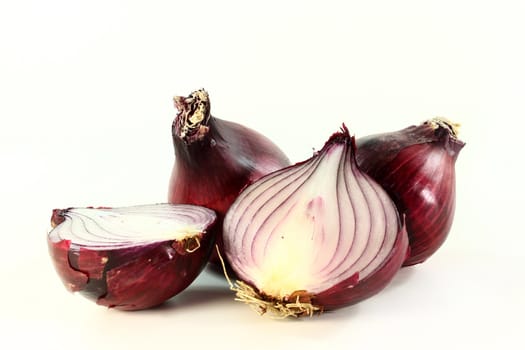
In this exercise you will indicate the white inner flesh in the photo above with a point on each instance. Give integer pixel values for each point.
(131, 226)
(336, 224)
(288, 264)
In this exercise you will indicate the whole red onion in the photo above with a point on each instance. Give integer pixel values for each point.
(215, 158)
(416, 166)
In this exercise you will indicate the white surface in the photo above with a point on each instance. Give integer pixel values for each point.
(86, 110)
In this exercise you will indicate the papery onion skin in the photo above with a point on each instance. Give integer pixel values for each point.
(215, 159)
(416, 166)
(74, 280)
(130, 278)
(246, 222)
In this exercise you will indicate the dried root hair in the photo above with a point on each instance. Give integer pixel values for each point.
(298, 304)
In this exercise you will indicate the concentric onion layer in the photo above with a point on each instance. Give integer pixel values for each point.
(312, 226)
(124, 227)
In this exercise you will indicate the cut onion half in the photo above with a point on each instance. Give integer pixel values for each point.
(318, 235)
(133, 257)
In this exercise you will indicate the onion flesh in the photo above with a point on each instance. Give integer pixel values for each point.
(130, 258)
(318, 235)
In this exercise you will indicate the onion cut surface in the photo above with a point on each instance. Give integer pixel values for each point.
(130, 258)
(308, 237)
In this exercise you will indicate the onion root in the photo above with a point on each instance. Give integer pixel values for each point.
(280, 309)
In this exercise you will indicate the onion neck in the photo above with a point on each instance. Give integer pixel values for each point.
(195, 132)
(442, 122)
(446, 132)
(191, 123)
(208, 168)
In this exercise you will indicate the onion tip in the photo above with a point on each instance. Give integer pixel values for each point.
(191, 123)
(442, 122)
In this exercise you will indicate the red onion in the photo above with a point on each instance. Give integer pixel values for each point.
(130, 258)
(318, 235)
(215, 158)
(416, 167)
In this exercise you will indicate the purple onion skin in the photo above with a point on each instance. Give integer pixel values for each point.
(214, 164)
(73, 280)
(134, 278)
(416, 166)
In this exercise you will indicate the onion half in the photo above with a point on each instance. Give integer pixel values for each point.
(130, 258)
(318, 235)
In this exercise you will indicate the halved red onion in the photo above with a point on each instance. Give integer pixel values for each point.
(318, 235)
(130, 258)
(416, 166)
(215, 158)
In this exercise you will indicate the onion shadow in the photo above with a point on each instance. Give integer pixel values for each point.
(198, 296)
(207, 289)
(402, 277)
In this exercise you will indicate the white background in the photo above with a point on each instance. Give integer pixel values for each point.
(86, 109)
